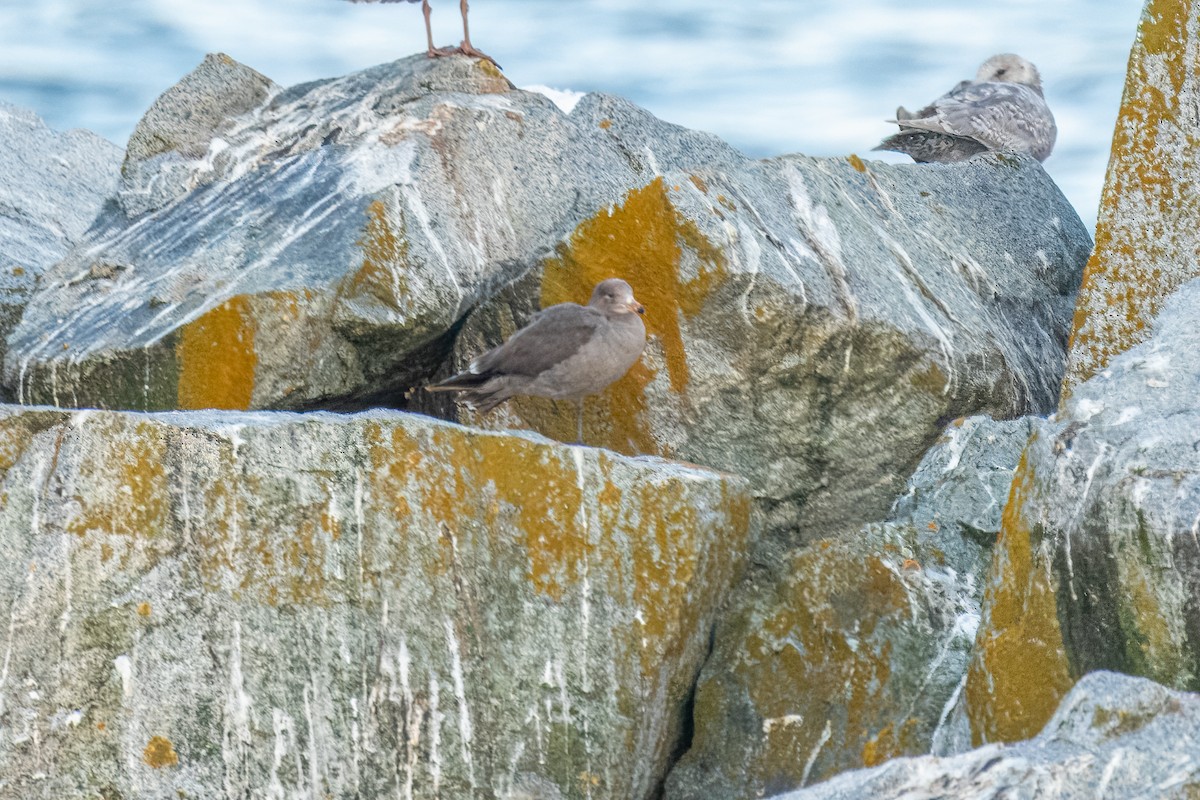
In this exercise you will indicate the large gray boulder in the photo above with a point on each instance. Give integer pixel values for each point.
(855, 650)
(230, 605)
(1113, 736)
(52, 185)
(1099, 564)
(814, 322)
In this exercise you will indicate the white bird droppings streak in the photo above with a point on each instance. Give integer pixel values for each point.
(464, 713)
(124, 666)
(812, 757)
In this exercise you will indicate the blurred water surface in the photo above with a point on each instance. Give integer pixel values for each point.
(769, 76)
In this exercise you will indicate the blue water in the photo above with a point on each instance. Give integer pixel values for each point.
(769, 76)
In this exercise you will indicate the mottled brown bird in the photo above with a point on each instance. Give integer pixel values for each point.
(465, 48)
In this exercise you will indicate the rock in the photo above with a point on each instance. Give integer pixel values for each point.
(815, 321)
(324, 245)
(1098, 565)
(267, 604)
(1146, 237)
(855, 649)
(183, 125)
(1113, 736)
(51, 188)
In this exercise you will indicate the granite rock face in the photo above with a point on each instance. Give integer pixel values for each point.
(320, 246)
(52, 185)
(855, 650)
(1099, 563)
(275, 605)
(1113, 736)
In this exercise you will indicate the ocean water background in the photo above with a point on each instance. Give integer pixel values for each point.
(768, 76)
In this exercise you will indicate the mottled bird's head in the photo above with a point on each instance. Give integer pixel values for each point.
(615, 296)
(1010, 68)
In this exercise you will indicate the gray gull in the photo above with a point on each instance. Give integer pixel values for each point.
(1002, 109)
(465, 48)
(566, 352)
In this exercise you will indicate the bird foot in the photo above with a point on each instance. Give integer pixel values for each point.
(466, 49)
(462, 50)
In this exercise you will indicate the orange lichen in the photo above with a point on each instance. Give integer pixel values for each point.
(806, 641)
(1145, 240)
(642, 241)
(1020, 670)
(856, 162)
(385, 260)
(216, 358)
(160, 753)
(605, 124)
(143, 609)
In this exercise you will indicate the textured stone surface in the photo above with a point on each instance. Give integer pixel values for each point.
(274, 605)
(51, 188)
(1146, 237)
(1113, 736)
(333, 237)
(815, 322)
(183, 125)
(855, 650)
(1099, 562)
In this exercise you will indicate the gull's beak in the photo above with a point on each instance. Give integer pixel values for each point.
(638, 307)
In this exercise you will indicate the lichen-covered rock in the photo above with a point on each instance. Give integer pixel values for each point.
(51, 188)
(855, 650)
(814, 322)
(1098, 566)
(272, 605)
(1113, 736)
(1146, 237)
(320, 244)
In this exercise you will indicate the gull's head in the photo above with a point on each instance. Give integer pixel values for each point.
(615, 296)
(1010, 68)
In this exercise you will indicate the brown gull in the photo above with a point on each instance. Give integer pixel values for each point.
(566, 352)
(465, 48)
(1002, 109)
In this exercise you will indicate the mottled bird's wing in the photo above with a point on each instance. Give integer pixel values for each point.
(552, 336)
(1001, 116)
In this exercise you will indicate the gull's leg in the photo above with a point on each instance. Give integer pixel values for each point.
(434, 52)
(579, 440)
(466, 48)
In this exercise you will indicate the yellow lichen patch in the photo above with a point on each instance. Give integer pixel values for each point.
(699, 183)
(216, 358)
(143, 609)
(823, 638)
(160, 753)
(892, 742)
(128, 500)
(1020, 670)
(385, 261)
(487, 480)
(1146, 239)
(856, 162)
(665, 558)
(605, 124)
(642, 241)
